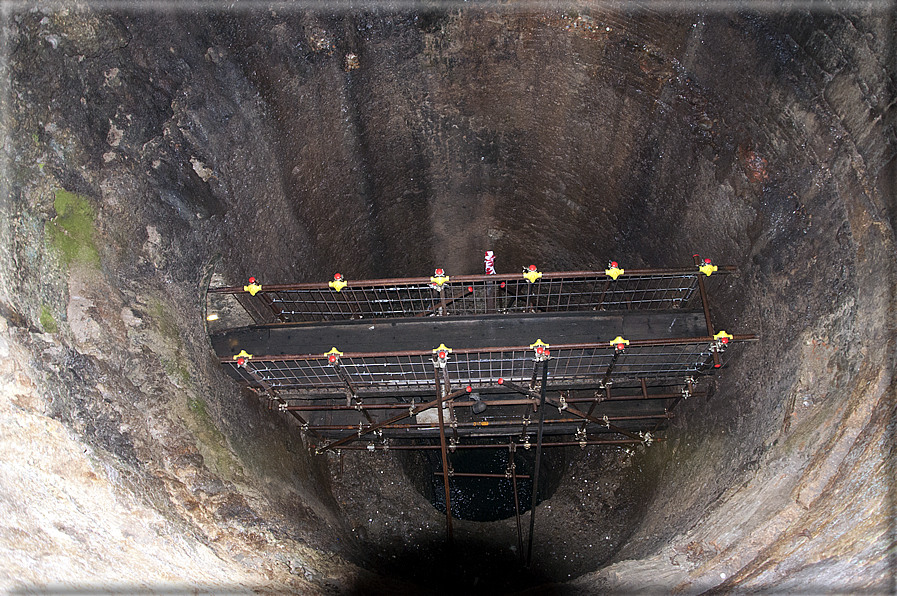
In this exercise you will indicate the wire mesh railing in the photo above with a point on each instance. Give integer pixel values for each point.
(469, 295)
(413, 371)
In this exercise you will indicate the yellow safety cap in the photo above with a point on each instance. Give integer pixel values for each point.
(723, 335)
(532, 275)
(707, 269)
(443, 348)
(243, 354)
(614, 272)
(338, 284)
(253, 289)
(619, 340)
(539, 343)
(439, 279)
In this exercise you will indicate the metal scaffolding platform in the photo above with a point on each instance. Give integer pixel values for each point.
(485, 361)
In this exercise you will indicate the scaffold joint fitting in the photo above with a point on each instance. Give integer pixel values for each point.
(438, 279)
(242, 358)
(253, 288)
(333, 356)
(541, 349)
(707, 267)
(531, 273)
(338, 282)
(613, 270)
(619, 343)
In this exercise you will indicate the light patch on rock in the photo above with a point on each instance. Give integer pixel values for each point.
(201, 169)
(127, 315)
(115, 134)
(153, 246)
(86, 330)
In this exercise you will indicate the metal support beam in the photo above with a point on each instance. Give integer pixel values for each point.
(511, 464)
(478, 475)
(532, 512)
(493, 423)
(445, 469)
(637, 441)
(411, 411)
(282, 404)
(706, 304)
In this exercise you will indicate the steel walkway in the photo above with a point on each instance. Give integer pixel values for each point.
(478, 361)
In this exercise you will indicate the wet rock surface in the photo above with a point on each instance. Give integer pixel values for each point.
(146, 152)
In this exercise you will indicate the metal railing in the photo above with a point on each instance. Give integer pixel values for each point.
(570, 365)
(469, 295)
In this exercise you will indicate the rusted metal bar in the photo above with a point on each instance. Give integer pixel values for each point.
(576, 346)
(585, 416)
(532, 512)
(282, 404)
(606, 385)
(420, 425)
(425, 281)
(325, 408)
(706, 304)
(477, 475)
(574, 400)
(636, 441)
(411, 411)
(444, 304)
(575, 412)
(513, 466)
(445, 469)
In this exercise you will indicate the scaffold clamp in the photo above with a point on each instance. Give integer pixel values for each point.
(242, 358)
(441, 353)
(707, 267)
(613, 270)
(438, 279)
(531, 273)
(542, 351)
(720, 341)
(253, 288)
(619, 343)
(338, 282)
(333, 356)
(581, 437)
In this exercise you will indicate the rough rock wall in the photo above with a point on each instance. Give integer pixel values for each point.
(145, 150)
(135, 167)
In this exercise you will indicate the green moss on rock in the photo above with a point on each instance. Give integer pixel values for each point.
(47, 320)
(71, 232)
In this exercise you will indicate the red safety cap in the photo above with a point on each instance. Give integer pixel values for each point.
(252, 280)
(548, 352)
(439, 272)
(441, 354)
(540, 350)
(725, 340)
(532, 267)
(502, 284)
(337, 276)
(613, 264)
(501, 381)
(469, 389)
(470, 288)
(241, 361)
(621, 347)
(332, 358)
(717, 365)
(708, 261)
